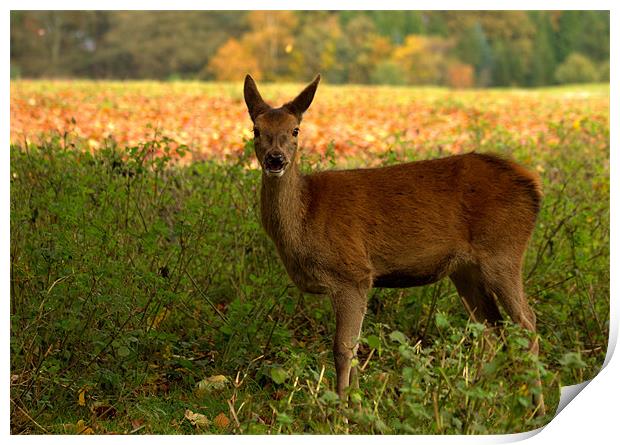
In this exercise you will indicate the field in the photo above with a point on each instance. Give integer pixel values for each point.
(145, 297)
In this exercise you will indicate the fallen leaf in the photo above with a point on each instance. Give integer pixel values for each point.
(221, 421)
(103, 410)
(81, 397)
(79, 428)
(197, 419)
(209, 384)
(278, 375)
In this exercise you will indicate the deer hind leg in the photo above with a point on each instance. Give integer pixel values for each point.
(476, 298)
(350, 308)
(505, 281)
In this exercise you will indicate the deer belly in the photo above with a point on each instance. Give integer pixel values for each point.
(399, 279)
(420, 273)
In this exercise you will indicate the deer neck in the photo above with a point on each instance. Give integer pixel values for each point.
(283, 206)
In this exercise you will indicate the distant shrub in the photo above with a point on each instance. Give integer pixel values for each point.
(460, 75)
(603, 71)
(577, 68)
(388, 73)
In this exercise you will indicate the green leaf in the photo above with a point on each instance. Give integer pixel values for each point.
(329, 397)
(278, 375)
(373, 342)
(284, 418)
(406, 351)
(572, 360)
(399, 337)
(441, 321)
(123, 351)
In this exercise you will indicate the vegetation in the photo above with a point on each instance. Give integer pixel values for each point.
(452, 48)
(145, 298)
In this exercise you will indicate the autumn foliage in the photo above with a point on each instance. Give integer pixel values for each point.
(212, 121)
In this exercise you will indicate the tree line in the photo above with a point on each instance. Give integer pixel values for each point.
(452, 48)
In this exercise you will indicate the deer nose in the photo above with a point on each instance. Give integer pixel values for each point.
(275, 156)
(275, 160)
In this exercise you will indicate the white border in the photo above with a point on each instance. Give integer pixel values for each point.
(591, 418)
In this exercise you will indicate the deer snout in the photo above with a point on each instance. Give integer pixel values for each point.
(275, 162)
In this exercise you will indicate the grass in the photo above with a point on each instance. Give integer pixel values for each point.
(145, 298)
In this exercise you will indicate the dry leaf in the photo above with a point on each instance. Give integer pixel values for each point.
(209, 384)
(221, 421)
(197, 419)
(103, 410)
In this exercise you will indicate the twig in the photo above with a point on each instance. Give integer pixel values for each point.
(436, 410)
(234, 414)
(372, 351)
(222, 316)
(29, 418)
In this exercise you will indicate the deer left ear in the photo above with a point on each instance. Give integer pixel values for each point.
(301, 103)
(255, 103)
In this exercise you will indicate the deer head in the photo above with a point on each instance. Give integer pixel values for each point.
(276, 129)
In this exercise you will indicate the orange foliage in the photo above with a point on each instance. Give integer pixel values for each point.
(359, 121)
(460, 75)
(233, 61)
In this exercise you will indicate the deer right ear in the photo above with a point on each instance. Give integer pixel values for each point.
(253, 100)
(301, 103)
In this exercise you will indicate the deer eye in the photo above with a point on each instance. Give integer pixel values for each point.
(295, 132)
(256, 132)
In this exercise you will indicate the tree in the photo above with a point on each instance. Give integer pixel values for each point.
(271, 39)
(594, 41)
(396, 25)
(315, 47)
(55, 43)
(423, 59)
(569, 32)
(233, 61)
(473, 48)
(147, 44)
(510, 35)
(460, 75)
(543, 57)
(361, 48)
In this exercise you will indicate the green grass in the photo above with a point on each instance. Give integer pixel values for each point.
(133, 279)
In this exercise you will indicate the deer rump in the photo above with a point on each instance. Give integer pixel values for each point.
(413, 224)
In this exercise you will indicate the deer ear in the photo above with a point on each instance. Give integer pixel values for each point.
(253, 100)
(302, 102)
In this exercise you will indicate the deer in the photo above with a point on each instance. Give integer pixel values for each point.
(341, 233)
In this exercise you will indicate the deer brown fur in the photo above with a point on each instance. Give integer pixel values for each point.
(468, 217)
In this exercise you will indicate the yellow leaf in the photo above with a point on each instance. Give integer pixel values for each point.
(156, 321)
(81, 398)
(210, 383)
(82, 428)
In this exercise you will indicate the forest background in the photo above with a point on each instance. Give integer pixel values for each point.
(451, 48)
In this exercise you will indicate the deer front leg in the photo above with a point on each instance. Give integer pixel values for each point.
(350, 308)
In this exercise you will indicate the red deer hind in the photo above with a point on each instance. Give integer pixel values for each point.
(468, 217)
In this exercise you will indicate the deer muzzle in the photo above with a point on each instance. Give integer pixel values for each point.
(275, 163)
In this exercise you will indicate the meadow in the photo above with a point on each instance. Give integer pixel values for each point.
(146, 299)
